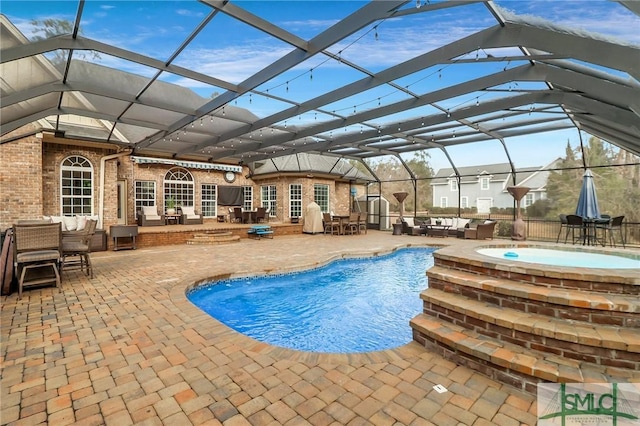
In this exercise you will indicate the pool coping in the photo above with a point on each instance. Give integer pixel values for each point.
(206, 325)
(470, 256)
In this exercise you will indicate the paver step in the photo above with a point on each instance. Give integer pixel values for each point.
(512, 323)
(213, 238)
(441, 277)
(507, 358)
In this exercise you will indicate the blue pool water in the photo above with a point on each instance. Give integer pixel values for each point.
(347, 306)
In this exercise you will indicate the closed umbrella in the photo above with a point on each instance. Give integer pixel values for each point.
(588, 200)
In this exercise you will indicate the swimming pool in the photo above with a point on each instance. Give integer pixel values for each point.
(577, 259)
(346, 306)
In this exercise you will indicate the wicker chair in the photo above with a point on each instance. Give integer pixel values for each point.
(481, 232)
(37, 246)
(189, 216)
(148, 216)
(79, 247)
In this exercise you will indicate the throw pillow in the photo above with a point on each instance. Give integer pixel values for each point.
(70, 223)
(81, 222)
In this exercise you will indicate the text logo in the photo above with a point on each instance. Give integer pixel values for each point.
(572, 404)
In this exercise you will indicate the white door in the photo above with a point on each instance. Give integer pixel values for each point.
(484, 205)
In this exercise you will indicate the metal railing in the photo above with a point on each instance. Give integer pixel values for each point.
(550, 230)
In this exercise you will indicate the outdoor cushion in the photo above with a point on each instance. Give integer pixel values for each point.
(81, 222)
(409, 222)
(150, 212)
(190, 212)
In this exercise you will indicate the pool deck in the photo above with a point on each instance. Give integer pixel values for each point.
(128, 348)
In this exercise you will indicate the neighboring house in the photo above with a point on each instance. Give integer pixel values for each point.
(485, 186)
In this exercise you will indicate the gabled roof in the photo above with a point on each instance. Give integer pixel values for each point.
(497, 172)
(524, 75)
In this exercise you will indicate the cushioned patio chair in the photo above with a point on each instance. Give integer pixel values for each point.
(36, 247)
(148, 216)
(481, 231)
(411, 226)
(189, 216)
(76, 249)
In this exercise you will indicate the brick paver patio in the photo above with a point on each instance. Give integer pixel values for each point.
(128, 348)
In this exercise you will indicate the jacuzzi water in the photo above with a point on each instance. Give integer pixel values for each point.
(577, 259)
(346, 306)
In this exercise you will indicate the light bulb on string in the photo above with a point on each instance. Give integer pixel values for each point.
(311, 74)
(375, 34)
(477, 102)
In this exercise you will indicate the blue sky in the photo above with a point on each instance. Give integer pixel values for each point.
(227, 49)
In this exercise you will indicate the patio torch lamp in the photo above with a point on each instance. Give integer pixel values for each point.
(518, 230)
(400, 196)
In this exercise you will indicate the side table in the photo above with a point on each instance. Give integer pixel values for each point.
(397, 229)
(123, 231)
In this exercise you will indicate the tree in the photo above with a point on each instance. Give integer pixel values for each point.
(52, 27)
(617, 187)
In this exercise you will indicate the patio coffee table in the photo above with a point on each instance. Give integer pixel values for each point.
(438, 230)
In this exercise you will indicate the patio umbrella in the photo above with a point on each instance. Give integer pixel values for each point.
(588, 200)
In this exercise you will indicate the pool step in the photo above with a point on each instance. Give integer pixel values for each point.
(524, 324)
(580, 305)
(507, 362)
(595, 343)
(222, 237)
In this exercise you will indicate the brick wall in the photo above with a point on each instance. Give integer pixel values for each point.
(21, 189)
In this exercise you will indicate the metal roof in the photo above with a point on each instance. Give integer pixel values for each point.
(512, 75)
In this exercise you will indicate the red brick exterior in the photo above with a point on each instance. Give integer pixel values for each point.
(30, 181)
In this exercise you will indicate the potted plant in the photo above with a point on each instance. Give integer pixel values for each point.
(171, 205)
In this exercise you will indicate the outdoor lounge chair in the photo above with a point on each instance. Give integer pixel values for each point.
(36, 247)
(148, 216)
(189, 216)
(261, 214)
(482, 231)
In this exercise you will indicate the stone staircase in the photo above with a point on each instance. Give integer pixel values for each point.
(214, 237)
(522, 329)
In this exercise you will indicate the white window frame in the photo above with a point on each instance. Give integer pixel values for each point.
(247, 198)
(269, 198)
(74, 199)
(485, 184)
(464, 202)
(321, 196)
(444, 202)
(144, 195)
(209, 199)
(295, 200)
(179, 184)
(453, 185)
(529, 199)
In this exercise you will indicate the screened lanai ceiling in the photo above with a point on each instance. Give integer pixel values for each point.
(239, 81)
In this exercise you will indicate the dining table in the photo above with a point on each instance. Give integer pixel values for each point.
(343, 220)
(249, 216)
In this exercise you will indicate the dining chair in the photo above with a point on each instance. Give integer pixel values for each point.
(76, 249)
(563, 224)
(614, 224)
(329, 224)
(37, 246)
(574, 223)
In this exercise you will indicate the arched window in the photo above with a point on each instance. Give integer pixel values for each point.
(76, 186)
(178, 184)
